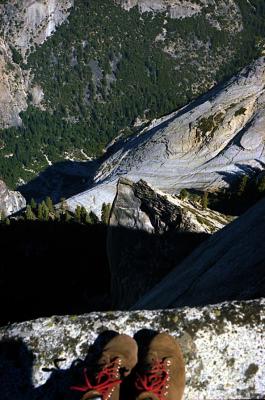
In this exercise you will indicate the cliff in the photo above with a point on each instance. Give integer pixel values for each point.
(227, 10)
(205, 145)
(149, 234)
(23, 26)
(229, 265)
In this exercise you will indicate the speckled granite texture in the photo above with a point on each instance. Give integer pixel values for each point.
(223, 345)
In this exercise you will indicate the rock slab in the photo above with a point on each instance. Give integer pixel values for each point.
(206, 145)
(223, 345)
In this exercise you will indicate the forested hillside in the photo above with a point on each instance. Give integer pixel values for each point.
(107, 70)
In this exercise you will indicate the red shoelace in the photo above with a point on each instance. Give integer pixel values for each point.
(153, 380)
(106, 379)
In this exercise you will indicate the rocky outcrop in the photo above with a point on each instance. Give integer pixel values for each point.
(229, 265)
(223, 347)
(227, 10)
(10, 202)
(13, 86)
(205, 145)
(30, 22)
(23, 25)
(149, 233)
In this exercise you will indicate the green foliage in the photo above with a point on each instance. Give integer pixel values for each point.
(43, 212)
(242, 186)
(105, 213)
(33, 204)
(93, 218)
(49, 204)
(261, 184)
(104, 67)
(67, 216)
(241, 111)
(205, 200)
(29, 214)
(78, 214)
(184, 194)
(2, 216)
(16, 56)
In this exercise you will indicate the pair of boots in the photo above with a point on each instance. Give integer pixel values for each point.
(159, 374)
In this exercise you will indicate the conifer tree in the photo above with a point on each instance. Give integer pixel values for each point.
(78, 214)
(29, 214)
(49, 204)
(242, 185)
(43, 212)
(93, 218)
(67, 216)
(83, 215)
(105, 213)
(33, 204)
(183, 194)
(261, 185)
(40, 212)
(7, 221)
(63, 204)
(2, 216)
(205, 200)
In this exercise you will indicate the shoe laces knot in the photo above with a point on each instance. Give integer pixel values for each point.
(105, 380)
(155, 379)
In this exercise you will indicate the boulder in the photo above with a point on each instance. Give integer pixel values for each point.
(223, 347)
(10, 201)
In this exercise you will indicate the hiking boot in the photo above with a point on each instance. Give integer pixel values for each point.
(118, 358)
(161, 374)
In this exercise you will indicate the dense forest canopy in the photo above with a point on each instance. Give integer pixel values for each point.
(105, 67)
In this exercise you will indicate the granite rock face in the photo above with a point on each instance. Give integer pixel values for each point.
(223, 347)
(27, 23)
(205, 145)
(10, 202)
(228, 10)
(24, 25)
(13, 86)
(149, 233)
(229, 265)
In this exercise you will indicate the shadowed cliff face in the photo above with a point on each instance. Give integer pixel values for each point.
(52, 268)
(229, 264)
(149, 233)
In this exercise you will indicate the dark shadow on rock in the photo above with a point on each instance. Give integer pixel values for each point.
(228, 201)
(16, 362)
(61, 180)
(138, 260)
(52, 268)
(59, 385)
(16, 365)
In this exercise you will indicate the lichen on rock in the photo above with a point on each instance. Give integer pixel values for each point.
(223, 344)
